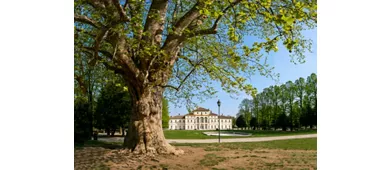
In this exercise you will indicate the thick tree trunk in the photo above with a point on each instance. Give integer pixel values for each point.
(123, 131)
(113, 132)
(108, 131)
(145, 133)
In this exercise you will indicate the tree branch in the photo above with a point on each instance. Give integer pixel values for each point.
(194, 66)
(80, 80)
(86, 32)
(154, 25)
(108, 55)
(86, 20)
(213, 29)
(186, 20)
(96, 4)
(121, 11)
(170, 86)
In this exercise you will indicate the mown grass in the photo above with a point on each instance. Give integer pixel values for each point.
(290, 144)
(198, 134)
(211, 160)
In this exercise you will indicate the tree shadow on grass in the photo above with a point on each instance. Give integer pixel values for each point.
(93, 143)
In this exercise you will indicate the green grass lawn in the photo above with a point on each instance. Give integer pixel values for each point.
(290, 144)
(198, 134)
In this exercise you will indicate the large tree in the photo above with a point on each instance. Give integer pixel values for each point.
(183, 47)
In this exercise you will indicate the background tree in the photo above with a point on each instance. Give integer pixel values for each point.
(291, 98)
(85, 86)
(245, 110)
(181, 48)
(234, 120)
(113, 109)
(283, 105)
(275, 95)
(264, 110)
(311, 90)
(254, 123)
(241, 122)
(165, 114)
(300, 90)
(256, 109)
(81, 120)
(282, 121)
(268, 107)
(290, 104)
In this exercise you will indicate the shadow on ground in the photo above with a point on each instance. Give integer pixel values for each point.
(92, 143)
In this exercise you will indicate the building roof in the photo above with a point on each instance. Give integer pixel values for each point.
(225, 117)
(177, 117)
(200, 109)
(213, 114)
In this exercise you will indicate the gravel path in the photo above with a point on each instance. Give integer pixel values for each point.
(254, 139)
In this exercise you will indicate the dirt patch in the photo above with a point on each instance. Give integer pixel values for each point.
(197, 158)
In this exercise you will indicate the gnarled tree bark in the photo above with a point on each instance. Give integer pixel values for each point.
(145, 133)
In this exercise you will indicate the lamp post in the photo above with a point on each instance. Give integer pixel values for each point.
(219, 122)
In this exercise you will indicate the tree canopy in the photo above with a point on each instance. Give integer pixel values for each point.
(198, 42)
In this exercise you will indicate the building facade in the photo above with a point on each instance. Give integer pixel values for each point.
(200, 119)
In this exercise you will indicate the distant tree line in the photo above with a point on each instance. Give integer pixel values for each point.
(292, 105)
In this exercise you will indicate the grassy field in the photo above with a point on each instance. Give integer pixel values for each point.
(281, 154)
(292, 144)
(198, 134)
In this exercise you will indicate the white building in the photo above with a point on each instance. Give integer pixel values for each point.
(200, 119)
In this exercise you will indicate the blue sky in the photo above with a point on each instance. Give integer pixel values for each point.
(283, 66)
